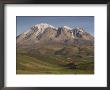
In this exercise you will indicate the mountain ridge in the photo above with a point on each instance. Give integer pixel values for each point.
(46, 33)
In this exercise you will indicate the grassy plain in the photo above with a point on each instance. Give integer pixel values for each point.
(56, 60)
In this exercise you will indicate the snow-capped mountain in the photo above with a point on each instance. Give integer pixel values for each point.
(45, 33)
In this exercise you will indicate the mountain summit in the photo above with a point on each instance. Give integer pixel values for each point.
(43, 26)
(45, 33)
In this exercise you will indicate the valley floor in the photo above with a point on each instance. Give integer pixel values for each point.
(29, 63)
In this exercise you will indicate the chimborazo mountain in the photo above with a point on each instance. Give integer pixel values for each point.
(47, 49)
(45, 33)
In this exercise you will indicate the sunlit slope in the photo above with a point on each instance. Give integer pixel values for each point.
(54, 59)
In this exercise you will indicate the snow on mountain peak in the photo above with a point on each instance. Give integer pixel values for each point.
(80, 29)
(40, 28)
(67, 27)
(43, 26)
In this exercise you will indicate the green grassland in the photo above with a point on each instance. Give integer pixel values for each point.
(54, 59)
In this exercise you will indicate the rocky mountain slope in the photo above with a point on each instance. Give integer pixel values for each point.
(45, 49)
(44, 33)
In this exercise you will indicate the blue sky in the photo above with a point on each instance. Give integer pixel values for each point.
(25, 22)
